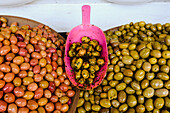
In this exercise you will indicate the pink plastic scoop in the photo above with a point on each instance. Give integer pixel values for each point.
(75, 35)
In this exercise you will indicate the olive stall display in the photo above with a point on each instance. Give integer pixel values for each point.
(32, 75)
(85, 60)
(138, 77)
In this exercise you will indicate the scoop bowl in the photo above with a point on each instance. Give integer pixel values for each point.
(75, 35)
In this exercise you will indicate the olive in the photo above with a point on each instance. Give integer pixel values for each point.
(131, 100)
(149, 104)
(161, 92)
(122, 97)
(80, 102)
(148, 92)
(156, 83)
(105, 103)
(87, 106)
(112, 94)
(96, 107)
(159, 103)
(123, 107)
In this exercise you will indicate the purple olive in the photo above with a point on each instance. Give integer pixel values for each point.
(20, 37)
(0, 23)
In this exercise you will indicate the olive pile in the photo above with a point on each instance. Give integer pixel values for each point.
(32, 75)
(85, 60)
(137, 78)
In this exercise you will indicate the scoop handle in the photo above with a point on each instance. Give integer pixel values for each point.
(85, 14)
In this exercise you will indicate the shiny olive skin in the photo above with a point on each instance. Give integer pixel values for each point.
(32, 70)
(137, 78)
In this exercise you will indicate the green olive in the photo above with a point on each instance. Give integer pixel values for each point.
(80, 102)
(125, 52)
(144, 84)
(167, 102)
(122, 97)
(81, 110)
(64, 99)
(131, 100)
(127, 59)
(159, 103)
(116, 68)
(96, 107)
(113, 110)
(118, 76)
(156, 83)
(162, 61)
(85, 39)
(112, 94)
(105, 103)
(149, 104)
(165, 69)
(106, 88)
(139, 64)
(129, 90)
(120, 86)
(127, 80)
(161, 92)
(103, 95)
(128, 72)
(150, 76)
(115, 103)
(85, 74)
(156, 111)
(110, 76)
(148, 92)
(123, 45)
(140, 108)
(146, 66)
(141, 99)
(97, 99)
(139, 75)
(166, 54)
(157, 45)
(105, 82)
(135, 85)
(167, 84)
(123, 107)
(156, 53)
(86, 96)
(134, 54)
(91, 98)
(113, 83)
(155, 68)
(131, 110)
(163, 76)
(79, 63)
(87, 106)
(144, 53)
